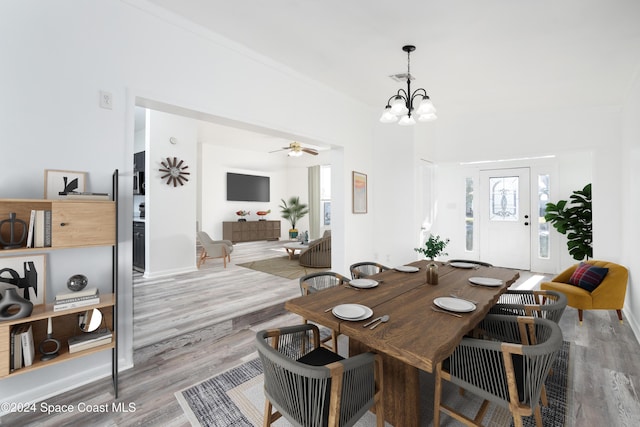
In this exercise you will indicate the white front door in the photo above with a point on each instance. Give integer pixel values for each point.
(505, 218)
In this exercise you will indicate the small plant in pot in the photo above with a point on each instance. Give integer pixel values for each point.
(292, 211)
(433, 248)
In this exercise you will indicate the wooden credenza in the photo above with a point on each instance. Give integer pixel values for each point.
(249, 231)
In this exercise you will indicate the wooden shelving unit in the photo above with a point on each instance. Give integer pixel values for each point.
(75, 224)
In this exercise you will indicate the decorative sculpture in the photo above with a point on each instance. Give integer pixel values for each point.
(10, 301)
(30, 279)
(14, 240)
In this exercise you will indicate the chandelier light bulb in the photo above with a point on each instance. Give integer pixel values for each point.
(426, 107)
(398, 106)
(407, 121)
(388, 116)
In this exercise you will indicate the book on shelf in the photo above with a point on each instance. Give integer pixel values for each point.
(75, 195)
(16, 347)
(88, 292)
(89, 340)
(47, 228)
(38, 230)
(32, 220)
(77, 303)
(28, 348)
(41, 229)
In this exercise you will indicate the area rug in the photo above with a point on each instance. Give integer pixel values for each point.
(281, 266)
(236, 398)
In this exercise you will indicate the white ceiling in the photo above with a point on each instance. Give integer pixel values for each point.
(471, 55)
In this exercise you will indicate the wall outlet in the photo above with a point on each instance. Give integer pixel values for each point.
(106, 100)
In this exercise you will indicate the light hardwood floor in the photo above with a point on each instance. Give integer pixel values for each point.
(606, 366)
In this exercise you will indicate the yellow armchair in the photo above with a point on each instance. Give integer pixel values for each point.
(609, 295)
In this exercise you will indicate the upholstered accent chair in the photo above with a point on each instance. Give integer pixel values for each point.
(214, 249)
(360, 270)
(506, 366)
(580, 284)
(318, 254)
(311, 386)
(314, 282)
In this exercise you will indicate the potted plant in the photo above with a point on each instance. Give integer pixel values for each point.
(433, 248)
(573, 218)
(292, 211)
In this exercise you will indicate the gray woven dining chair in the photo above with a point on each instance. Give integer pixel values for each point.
(546, 304)
(537, 303)
(507, 367)
(471, 261)
(363, 269)
(314, 282)
(311, 386)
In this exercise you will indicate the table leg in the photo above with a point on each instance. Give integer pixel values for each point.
(401, 388)
(290, 252)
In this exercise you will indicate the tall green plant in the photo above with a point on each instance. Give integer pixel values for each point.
(293, 210)
(573, 218)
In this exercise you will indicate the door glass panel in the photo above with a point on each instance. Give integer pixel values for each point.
(503, 203)
(543, 225)
(468, 218)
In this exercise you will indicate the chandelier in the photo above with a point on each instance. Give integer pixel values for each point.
(401, 105)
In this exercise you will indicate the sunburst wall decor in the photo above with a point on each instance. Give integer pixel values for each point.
(174, 172)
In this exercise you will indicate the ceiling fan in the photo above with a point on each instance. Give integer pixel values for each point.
(296, 150)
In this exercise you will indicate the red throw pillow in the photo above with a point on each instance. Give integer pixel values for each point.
(587, 276)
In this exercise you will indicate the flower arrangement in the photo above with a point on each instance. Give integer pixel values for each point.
(433, 247)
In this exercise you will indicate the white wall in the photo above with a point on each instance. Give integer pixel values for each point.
(217, 161)
(630, 183)
(170, 210)
(288, 177)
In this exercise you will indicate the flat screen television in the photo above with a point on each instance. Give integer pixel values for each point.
(247, 188)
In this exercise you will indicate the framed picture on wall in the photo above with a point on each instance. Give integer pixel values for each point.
(57, 183)
(27, 273)
(359, 193)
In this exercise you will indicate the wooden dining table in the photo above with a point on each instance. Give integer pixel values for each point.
(415, 337)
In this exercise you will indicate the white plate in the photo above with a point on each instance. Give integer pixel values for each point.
(455, 304)
(363, 283)
(485, 281)
(463, 265)
(407, 268)
(353, 312)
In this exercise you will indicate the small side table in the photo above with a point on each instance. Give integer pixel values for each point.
(292, 247)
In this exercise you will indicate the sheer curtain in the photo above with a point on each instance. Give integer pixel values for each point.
(314, 202)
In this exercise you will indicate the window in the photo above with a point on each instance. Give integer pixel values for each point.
(543, 225)
(504, 203)
(325, 194)
(468, 218)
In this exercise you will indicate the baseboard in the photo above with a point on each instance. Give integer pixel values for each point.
(633, 322)
(164, 273)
